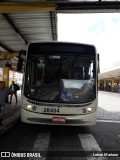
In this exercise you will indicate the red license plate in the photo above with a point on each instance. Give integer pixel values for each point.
(59, 119)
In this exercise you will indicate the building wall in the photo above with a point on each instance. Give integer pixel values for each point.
(109, 84)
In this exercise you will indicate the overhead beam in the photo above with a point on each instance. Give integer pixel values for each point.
(53, 26)
(98, 6)
(8, 56)
(52, 29)
(11, 7)
(5, 47)
(19, 35)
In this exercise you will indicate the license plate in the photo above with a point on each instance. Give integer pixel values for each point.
(59, 119)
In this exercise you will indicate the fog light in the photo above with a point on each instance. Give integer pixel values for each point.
(84, 110)
(25, 105)
(34, 108)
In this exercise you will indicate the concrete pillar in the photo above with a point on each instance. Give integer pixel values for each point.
(6, 75)
(104, 85)
(98, 84)
(112, 85)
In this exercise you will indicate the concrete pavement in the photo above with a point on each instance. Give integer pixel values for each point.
(11, 114)
(108, 106)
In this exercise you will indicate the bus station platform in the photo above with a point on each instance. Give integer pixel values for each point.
(11, 113)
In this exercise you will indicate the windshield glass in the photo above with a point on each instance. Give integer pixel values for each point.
(60, 78)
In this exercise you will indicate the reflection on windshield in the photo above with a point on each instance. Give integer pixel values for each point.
(77, 90)
(56, 78)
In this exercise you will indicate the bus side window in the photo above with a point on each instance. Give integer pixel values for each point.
(91, 70)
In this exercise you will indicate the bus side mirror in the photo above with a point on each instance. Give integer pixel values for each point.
(21, 59)
(98, 63)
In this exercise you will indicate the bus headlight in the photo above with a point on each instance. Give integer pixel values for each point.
(88, 110)
(29, 107)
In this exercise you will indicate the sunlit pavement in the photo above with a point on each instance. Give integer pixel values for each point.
(108, 106)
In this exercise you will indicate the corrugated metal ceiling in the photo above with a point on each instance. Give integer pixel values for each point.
(19, 29)
(34, 27)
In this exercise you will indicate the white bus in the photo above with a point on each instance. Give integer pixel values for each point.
(60, 84)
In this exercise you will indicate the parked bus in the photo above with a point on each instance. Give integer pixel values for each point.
(60, 84)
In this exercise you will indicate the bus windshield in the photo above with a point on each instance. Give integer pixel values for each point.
(60, 78)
